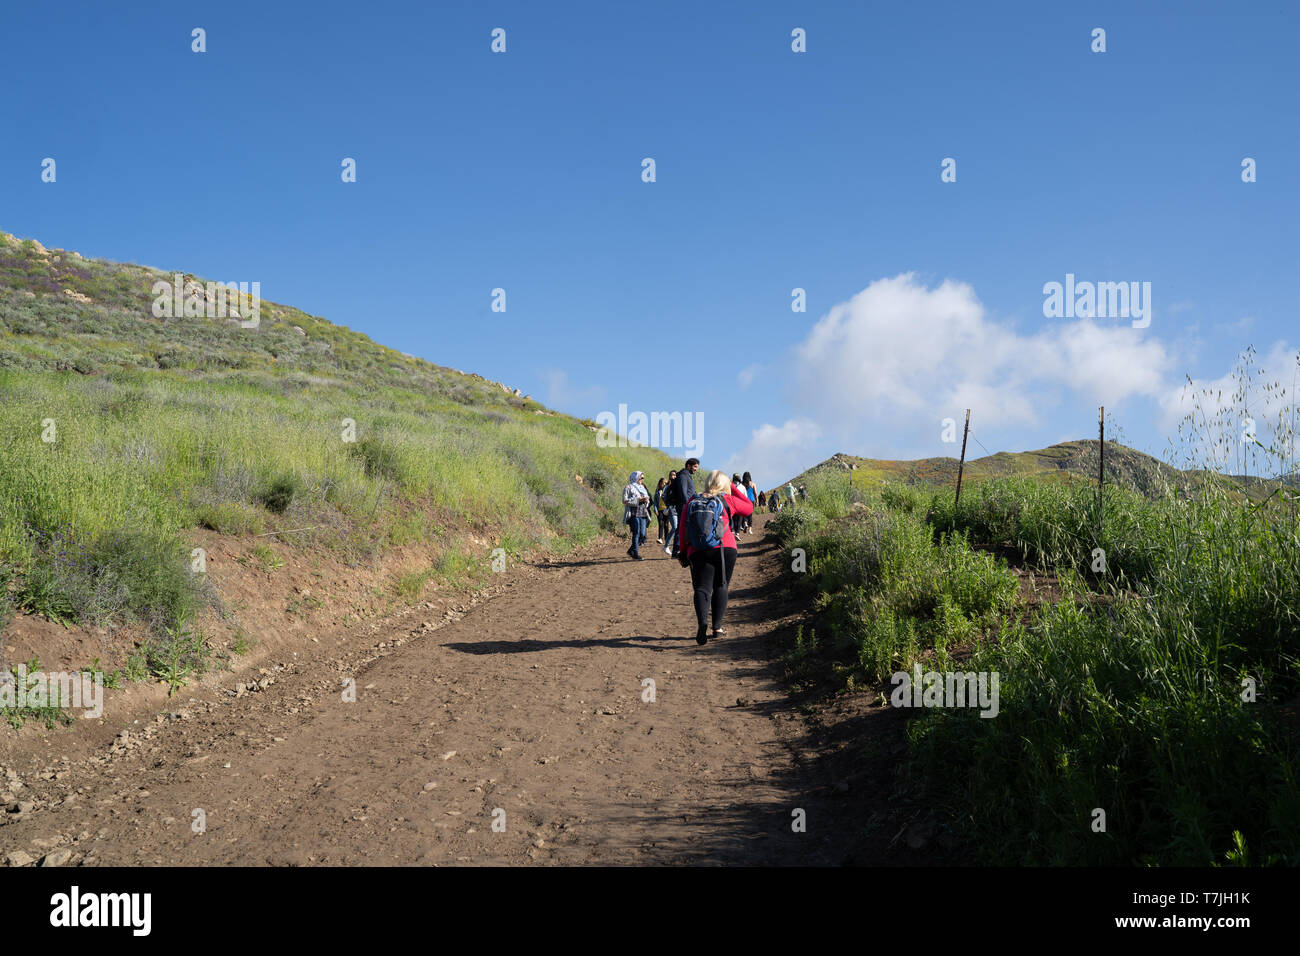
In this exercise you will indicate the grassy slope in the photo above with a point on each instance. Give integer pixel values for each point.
(164, 425)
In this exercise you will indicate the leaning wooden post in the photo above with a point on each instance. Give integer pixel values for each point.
(961, 465)
(1101, 464)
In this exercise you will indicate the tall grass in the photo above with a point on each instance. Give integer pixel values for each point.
(1156, 689)
(93, 524)
(1054, 524)
(1128, 710)
(888, 591)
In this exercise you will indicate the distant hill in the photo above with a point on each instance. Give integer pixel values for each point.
(1124, 465)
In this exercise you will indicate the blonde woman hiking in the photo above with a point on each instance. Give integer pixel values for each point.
(708, 547)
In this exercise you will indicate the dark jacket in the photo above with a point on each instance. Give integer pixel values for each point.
(685, 487)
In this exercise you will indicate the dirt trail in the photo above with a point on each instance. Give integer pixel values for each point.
(530, 702)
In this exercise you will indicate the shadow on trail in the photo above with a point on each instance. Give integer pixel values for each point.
(648, 553)
(586, 563)
(527, 645)
(744, 834)
(742, 594)
(845, 752)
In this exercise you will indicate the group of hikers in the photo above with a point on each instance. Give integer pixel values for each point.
(699, 528)
(772, 501)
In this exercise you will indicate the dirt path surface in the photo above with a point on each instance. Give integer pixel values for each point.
(527, 709)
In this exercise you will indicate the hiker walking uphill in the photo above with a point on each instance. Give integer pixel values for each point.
(672, 512)
(747, 523)
(661, 509)
(680, 491)
(636, 512)
(708, 548)
(737, 520)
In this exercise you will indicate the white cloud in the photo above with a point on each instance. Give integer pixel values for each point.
(1108, 363)
(748, 374)
(776, 453)
(905, 355)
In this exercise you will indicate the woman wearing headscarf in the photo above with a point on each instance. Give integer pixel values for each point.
(636, 511)
(709, 548)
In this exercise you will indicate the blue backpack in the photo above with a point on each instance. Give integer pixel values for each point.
(704, 518)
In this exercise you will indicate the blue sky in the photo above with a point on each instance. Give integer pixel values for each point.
(775, 170)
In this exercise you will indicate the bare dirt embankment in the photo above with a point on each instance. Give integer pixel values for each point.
(525, 707)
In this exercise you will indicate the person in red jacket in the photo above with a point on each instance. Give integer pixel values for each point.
(711, 567)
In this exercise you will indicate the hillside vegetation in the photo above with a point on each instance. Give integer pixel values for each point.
(1153, 676)
(1060, 463)
(121, 432)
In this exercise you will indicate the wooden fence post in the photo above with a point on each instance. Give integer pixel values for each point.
(1101, 466)
(961, 465)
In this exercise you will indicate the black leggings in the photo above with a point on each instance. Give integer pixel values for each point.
(710, 583)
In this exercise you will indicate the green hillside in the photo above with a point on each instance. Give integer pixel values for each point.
(1073, 459)
(121, 432)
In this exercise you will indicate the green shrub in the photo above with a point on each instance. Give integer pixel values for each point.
(904, 498)
(888, 590)
(42, 592)
(795, 524)
(280, 492)
(228, 517)
(129, 574)
(380, 458)
(177, 654)
(52, 714)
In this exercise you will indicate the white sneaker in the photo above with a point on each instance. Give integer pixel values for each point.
(668, 550)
